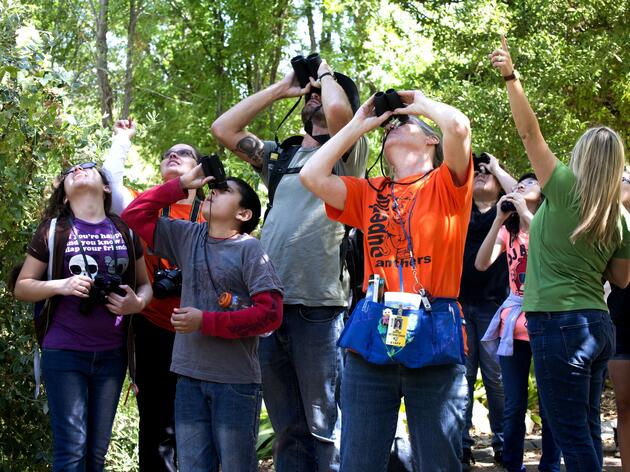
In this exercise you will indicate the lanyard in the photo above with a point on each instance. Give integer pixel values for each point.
(418, 287)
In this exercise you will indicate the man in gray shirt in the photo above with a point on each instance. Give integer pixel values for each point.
(300, 362)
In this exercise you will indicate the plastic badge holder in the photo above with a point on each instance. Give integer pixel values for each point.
(409, 301)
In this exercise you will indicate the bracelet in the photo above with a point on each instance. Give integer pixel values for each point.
(325, 74)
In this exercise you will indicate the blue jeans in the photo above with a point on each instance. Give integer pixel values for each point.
(435, 398)
(478, 318)
(301, 369)
(515, 371)
(571, 350)
(216, 424)
(82, 389)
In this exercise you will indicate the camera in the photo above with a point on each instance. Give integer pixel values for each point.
(306, 67)
(388, 101)
(167, 283)
(101, 287)
(212, 166)
(507, 207)
(482, 158)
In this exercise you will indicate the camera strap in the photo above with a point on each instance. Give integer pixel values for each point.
(194, 210)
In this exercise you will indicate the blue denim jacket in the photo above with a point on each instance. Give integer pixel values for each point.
(494, 343)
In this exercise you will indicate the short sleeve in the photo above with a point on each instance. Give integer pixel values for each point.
(560, 188)
(352, 214)
(172, 238)
(455, 198)
(259, 273)
(624, 250)
(38, 247)
(269, 148)
(356, 162)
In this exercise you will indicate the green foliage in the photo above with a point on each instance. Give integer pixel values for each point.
(194, 59)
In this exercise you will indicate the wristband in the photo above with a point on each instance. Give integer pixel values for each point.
(325, 74)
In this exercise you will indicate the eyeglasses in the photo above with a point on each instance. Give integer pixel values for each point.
(84, 166)
(178, 152)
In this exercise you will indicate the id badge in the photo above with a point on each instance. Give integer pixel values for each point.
(397, 331)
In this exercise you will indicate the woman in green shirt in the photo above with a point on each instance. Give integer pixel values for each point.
(579, 235)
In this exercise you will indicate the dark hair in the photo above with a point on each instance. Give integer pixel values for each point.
(249, 201)
(513, 222)
(59, 206)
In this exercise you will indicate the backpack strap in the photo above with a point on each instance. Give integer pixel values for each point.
(37, 360)
(279, 166)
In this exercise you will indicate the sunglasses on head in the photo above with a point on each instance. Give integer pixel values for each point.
(179, 152)
(84, 166)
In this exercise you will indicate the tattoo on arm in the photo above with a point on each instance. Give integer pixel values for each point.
(252, 147)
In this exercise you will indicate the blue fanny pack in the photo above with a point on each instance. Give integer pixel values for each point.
(413, 338)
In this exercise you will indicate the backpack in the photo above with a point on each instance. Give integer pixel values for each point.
(351, 246)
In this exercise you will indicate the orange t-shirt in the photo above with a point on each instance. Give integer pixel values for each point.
(159, 311)
(435, 214)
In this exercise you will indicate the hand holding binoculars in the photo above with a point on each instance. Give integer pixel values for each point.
(306, 67)
(389, 101)
(212, 166)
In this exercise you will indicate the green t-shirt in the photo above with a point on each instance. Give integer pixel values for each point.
(562, 276)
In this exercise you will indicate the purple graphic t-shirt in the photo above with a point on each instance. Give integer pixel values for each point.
(98, 329)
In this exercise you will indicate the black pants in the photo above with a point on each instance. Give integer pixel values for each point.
(156, 396)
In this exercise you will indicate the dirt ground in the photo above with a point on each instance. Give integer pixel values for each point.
(484, 456)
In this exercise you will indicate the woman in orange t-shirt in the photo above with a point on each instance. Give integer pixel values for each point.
(414, 228)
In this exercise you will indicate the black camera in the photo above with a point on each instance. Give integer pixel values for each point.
(101, 287)
(212, 166)
(507, 207)
(306, 67)
(482, 158)
(388, 101)
(167, 283)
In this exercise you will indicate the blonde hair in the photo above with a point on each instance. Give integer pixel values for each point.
(597, 161)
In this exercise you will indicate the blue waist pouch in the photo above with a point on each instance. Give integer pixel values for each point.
(415, 338)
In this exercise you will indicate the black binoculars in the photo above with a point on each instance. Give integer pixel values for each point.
(101, 287)
(306, 67)
(507, 207)
(388, 101)
(212, 166)
(482, 158)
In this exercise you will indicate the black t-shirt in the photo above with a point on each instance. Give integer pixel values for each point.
(619, 303)
(491, 285)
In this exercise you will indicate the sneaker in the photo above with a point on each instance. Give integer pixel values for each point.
(467, 459)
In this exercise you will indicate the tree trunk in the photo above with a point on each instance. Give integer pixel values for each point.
(107, 99)
(134, 11)
(308, 11)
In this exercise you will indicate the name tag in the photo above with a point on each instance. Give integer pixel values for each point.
(397, 330)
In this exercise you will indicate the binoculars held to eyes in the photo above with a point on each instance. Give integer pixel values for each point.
(388, 101)
(507, 207)
(306, 67)
(212, 166)
(482, 158)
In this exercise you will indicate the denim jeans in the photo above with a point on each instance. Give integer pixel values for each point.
(301, 368)
(156, 396)
(216, 424)
(570, 351)
(83, 389)
(515, 371)
(478, 318)
(435, 398)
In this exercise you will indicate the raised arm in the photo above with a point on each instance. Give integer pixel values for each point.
(492, 246)
(506, 181)
(229, 128)
(335, 102)
(114, 164)
(317, 176)
(453, 124)
(542, 159)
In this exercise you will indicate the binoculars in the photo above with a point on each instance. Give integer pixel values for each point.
(482, 158)
(388, 101)
(212, 166)
(507, 207)
(306, 67)
(101, 287)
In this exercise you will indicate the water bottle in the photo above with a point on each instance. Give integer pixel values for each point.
(231, 302)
